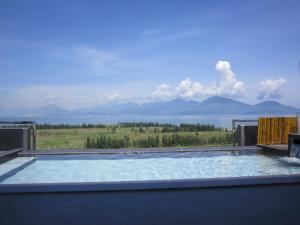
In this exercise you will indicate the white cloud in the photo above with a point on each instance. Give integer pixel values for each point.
(270, 89)
(117, 97)
(226, 85)
(191, 90)
(75, 96)
(97, 61)
(70, 97)
(163, 92)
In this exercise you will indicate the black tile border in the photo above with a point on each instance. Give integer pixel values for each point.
(150, 185)
(8, 155)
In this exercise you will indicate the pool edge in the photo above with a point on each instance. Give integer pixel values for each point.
(151, 185)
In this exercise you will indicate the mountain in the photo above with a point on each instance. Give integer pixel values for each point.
(177, 106)
(221, 105)
(50, 110)
(47, 110)
(212, 105)
(174, 107)
(272, 106)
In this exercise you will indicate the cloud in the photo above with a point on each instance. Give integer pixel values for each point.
(193, 90)
(67, 96)
(97, 61)
(163, 92)
(74, 96)
(226, 85)
(270, 89)
(116, 97)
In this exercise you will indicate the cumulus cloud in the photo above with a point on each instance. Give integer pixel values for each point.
(190, 89)
(270, 89)
(226, 85)
(163, 92)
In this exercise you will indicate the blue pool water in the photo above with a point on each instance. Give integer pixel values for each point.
(154, 166)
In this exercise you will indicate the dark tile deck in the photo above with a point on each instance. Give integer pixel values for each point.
(278, 149)
(8, 155)
(10, 152)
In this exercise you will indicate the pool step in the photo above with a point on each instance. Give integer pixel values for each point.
(12, 166)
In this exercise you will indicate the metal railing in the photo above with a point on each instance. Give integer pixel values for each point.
(30, 125)
(237, 122)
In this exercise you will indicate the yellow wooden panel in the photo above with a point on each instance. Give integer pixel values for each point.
(275, 130)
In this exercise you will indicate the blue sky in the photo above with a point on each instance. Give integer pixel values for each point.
(89, 53)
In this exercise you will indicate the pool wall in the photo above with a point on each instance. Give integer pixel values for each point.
(254, 200)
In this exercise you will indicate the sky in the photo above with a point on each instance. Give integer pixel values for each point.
(89, 53)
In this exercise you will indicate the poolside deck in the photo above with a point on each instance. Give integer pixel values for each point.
(8, 155)
(278, 149)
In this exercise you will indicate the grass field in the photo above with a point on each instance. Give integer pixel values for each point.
(76, 137)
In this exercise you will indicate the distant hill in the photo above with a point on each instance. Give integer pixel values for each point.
(47, 110)
(221, 105)
(212, 105)
(272, 106)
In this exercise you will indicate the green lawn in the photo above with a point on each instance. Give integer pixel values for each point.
(76, 137)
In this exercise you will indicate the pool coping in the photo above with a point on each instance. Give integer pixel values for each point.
(135, 150)
(153, 185)
(9, 154)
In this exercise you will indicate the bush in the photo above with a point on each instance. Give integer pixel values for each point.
(107, 142)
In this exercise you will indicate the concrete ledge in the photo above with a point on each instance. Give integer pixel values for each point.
(13, 166)
(8, 155)
(134, 150)
(275, 149)
(151, 185)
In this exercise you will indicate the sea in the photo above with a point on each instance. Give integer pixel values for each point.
(224, 121)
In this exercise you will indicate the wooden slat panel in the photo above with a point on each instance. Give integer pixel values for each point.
(275, 130)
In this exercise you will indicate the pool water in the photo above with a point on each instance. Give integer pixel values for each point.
(151, 166)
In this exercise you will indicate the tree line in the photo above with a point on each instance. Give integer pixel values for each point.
(164, 140)
(164, 127)
(69, 126)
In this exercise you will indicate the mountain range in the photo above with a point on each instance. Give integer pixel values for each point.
(212, 105)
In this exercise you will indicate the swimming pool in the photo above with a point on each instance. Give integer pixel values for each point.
(149, 167)
(212, 187)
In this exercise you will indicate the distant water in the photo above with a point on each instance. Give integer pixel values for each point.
(217, 120)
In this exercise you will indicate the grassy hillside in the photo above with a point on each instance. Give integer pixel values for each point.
(50, 138)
